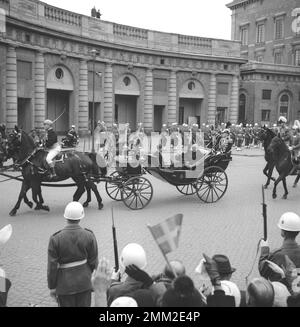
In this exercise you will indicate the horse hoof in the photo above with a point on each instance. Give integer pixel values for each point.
(37, 207)
(13, 213)
(284, 197)
(295, 185)
(100, 206)
(45, 208)
(274, 196)
(30, 204)
(85, 205)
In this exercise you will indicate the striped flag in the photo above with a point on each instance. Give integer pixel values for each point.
(166, 234)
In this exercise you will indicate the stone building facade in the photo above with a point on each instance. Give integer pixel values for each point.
(269, 32)
(48, 69)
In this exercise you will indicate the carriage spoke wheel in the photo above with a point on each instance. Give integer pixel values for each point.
(114, 189)
(188, 189)
(137, 193)
(212, 185)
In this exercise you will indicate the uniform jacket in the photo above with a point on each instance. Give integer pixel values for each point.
(51, 138)
(289, 248)
(72, 244)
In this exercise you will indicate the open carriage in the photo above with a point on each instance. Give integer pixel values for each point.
(130, 184)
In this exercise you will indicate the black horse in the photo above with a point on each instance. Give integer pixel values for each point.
(76, 165)
(283, 162)
(266, 136)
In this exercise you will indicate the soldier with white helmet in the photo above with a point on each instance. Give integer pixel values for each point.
(289, 224)
(133, 261)
(72, 258)
(52, 146)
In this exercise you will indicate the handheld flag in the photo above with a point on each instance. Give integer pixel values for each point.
(167, 233)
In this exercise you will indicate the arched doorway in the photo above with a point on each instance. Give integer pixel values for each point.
(127, 92)
(60, 86)
(191, 97)
(284, 105)
(242, 108)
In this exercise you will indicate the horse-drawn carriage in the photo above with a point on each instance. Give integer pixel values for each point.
(209, 181)
(128, 183)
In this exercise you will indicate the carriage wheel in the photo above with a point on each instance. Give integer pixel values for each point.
(212, 185)
(188, 189)
(114, 189)
(137, 193)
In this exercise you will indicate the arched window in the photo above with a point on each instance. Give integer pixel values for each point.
(242, 108)
(284, 103)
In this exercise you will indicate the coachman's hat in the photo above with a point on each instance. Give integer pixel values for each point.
(223, 264)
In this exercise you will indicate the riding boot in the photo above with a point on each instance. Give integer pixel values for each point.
(52, 173)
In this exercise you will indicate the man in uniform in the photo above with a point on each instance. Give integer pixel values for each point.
(72, 135)
(52, 146)
(295, 144)
(72, 258)
(289, 223)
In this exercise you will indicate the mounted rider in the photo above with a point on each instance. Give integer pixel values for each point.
(72, 134)
(295, 143)
(51, 145)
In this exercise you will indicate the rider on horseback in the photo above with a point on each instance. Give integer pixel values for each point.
(52, 146)
(296, 143)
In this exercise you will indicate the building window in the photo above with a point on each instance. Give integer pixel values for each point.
(244, 35)
(278, 58)
(221, 115)
(266, 94)
(279, 28)
(260, 34)
(223, 88)
(162, 61)
(24, 69)
(160, 85)
(259, 58)
(297, 57)
(265, 115)
(284, 106)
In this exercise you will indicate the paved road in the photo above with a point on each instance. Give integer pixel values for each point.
(232, 226)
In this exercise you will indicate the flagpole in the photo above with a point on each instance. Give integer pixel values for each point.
(162, 252)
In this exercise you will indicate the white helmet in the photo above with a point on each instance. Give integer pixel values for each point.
(290, 222)
(74, 211)
(133, 254)
(5, 234)
(231, 289)
(124, 302)
(282, 119)
(281, 294)
(48, 122)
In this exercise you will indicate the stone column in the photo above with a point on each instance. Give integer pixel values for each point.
(148, 100)
(83, 113)
(39, 91)
(108, 95)
(234, 100)
(212, 100)
(11, 88)
(172, 101)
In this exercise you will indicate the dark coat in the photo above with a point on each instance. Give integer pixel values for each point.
(51, 138)
(72, 244)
